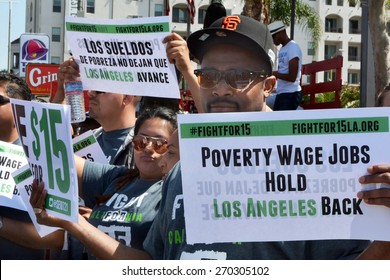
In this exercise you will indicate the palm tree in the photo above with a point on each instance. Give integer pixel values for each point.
(380, 42)
(270, 10)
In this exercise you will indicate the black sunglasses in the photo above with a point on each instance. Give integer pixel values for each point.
(236, 79)
(4, 100)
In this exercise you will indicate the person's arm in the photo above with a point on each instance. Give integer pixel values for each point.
(25, 234)
(291, 76)
(96, 241)
(80, 163)
(68, 70)
(178, 53)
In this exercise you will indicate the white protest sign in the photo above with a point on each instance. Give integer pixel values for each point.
(282, 176)
(86, 146)
(44, 130)
(124, 56)
(11, 158)
(23, 179)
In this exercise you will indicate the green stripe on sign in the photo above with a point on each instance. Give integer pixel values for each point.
(285, 127)
(9, 150)
(84, 143)
(22, 176)
(157, 27)
(58, 204)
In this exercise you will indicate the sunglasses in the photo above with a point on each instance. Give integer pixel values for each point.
(236, 79)
(160, 145)
(4, 100)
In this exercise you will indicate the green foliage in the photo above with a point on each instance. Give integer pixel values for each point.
(350, 96)
(305, 15)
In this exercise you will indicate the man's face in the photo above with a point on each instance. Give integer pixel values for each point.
(224, 98)
(6, 116)
(276, 39)
(104, 105)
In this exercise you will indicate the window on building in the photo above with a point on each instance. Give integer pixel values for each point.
(56, 34)
(330, 25)
(353, 54)
(15, 60)
(91, 6)
(354, 26)
(388, 28)
(179, 14)
(353, 78)
(158, 10)
(340, 2)
(329, 76)
(328, 2)
(330, 51)
(31, 12)
(55, 60)
(201, 14)
(352, 3)
(56, 6)
(310, 48)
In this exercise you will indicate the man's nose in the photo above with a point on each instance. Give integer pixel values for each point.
(222, 88)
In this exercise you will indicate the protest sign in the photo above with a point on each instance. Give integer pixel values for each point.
(86, 146)
(11, 158)
(124, 56)
(23, 179)
(282, 176)
(44, 130)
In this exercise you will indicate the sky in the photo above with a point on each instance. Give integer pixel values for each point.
(18, 11)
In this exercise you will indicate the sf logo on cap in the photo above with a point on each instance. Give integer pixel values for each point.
(231, 22)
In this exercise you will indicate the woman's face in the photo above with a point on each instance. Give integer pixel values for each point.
(172, 155)
(153, 133)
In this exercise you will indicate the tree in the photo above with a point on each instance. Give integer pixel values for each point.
(380, 42)
(267, 11)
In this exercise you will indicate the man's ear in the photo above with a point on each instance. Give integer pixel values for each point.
(269, 85)
(127, 99)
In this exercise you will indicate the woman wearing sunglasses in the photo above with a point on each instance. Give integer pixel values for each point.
(126, 201)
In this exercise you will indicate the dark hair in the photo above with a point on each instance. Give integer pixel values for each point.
(163, 113)
(150, 102)
(215, 11)
(14, 86)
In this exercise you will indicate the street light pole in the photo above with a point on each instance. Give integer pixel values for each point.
(9, 34)
(9, 64)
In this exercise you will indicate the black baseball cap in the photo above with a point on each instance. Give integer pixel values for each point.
(237, 30)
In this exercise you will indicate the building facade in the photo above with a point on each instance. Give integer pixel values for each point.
(341, 25)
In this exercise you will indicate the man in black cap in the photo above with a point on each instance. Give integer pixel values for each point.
(288, 87)
(236, 56)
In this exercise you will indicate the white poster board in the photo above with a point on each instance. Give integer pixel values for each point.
(279, 176)
(123, 56)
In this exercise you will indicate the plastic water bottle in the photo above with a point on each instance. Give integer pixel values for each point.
(74, 96)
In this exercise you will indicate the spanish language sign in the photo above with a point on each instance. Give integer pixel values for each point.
(11, 158)
(44, 130)
(124, 56)
(282, 175)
